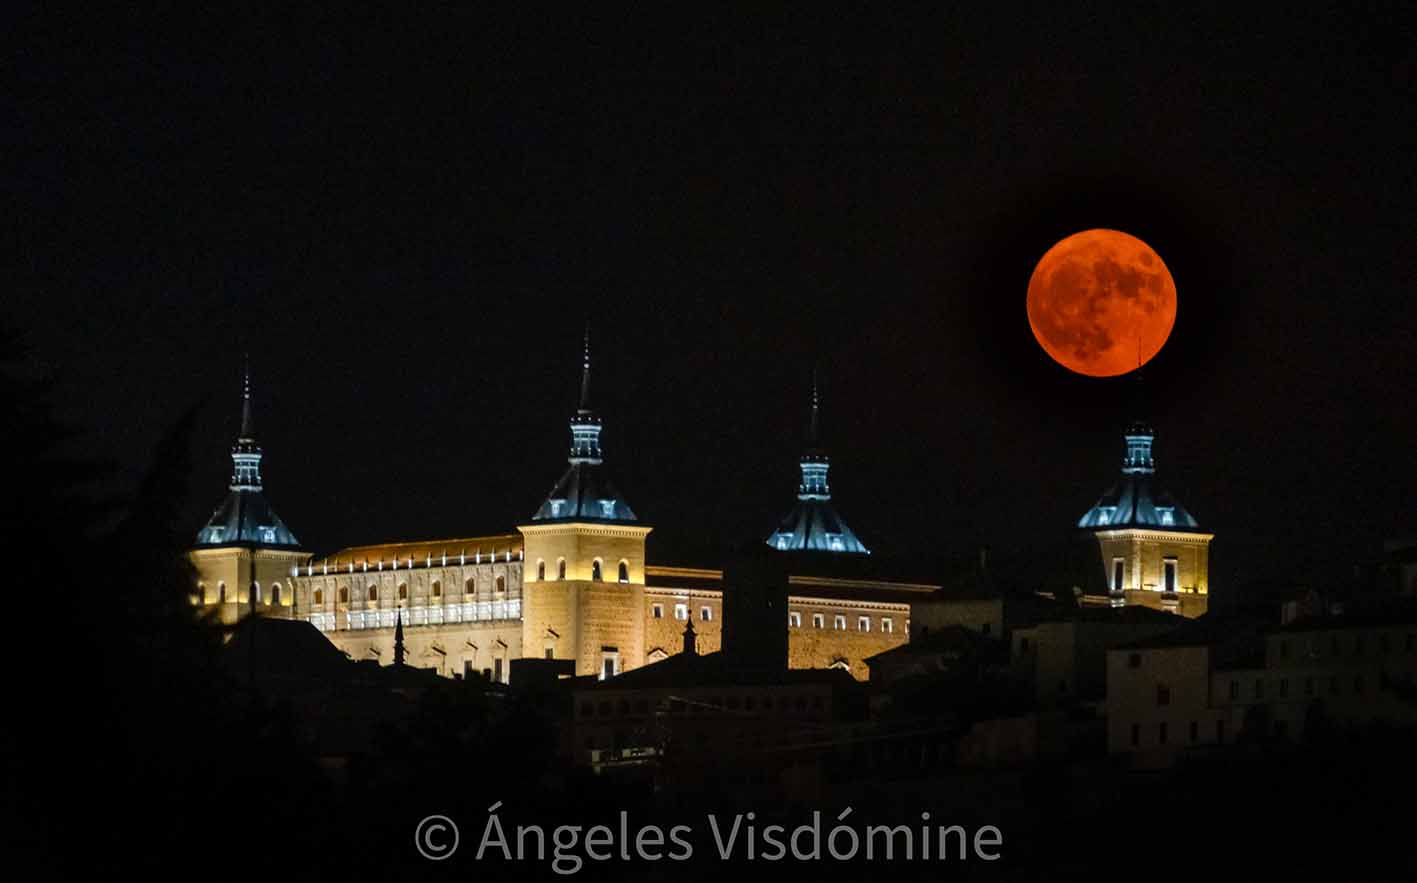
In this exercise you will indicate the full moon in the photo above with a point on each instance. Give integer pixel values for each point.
(1101, 303)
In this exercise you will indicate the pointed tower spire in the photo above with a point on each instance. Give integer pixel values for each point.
(244, 518)
(585, 374)
(1139, 434)
(813, 524)
(585, 426)
(814, 430)
(584, 490)
(398, 639)
(248, 426)
(246, 453)
(815, 461)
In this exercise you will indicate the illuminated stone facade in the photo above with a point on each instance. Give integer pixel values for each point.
(461, 601)
(1156, 568)
(573, 583)
(590, 604)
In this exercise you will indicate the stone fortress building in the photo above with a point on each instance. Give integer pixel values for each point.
(573, 583)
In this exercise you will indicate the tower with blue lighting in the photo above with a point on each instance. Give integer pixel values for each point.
(583, 583)
(1154, 552)
(814, 525)
(245, 553)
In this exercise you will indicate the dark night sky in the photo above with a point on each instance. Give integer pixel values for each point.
(407, 222)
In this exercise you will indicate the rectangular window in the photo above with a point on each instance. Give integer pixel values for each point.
(1119, 569)
(1168, 575)
(497, 669)
(609, 663)
(1283, 688)
(1308, 686)
(550, 653)
(839, 622)
(1133, 661)
(886, 625)
(863, 623)
(705, 614)
(1259, 689)
(1220, 731)
(1234, 690)
(681, 611)
(818, 621)
(1163, 694)
(1161, 733)
(1136, 735)
(1195, 731)
(657, 611)
(794, 619)
(986, 628)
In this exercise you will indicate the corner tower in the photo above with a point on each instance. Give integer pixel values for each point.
(814, 525)
(1154, 552)
(245, 553)
(584, 578)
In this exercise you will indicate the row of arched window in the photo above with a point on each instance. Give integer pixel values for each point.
(596, 572)
(253, 595)
(435, 590)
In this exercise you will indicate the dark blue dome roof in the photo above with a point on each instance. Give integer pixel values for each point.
(1138, 500)
(244, 518)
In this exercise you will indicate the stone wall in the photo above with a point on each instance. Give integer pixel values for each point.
(449, 649)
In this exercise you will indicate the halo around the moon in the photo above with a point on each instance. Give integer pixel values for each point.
(1101, 303)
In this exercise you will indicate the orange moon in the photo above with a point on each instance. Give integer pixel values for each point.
(1101, 303)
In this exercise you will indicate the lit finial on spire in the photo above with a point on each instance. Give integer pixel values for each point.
(814, 431)
(814, 460)
(584, 491)
(585, 426)
(248, 426)
(246, 453)
(585, 373)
